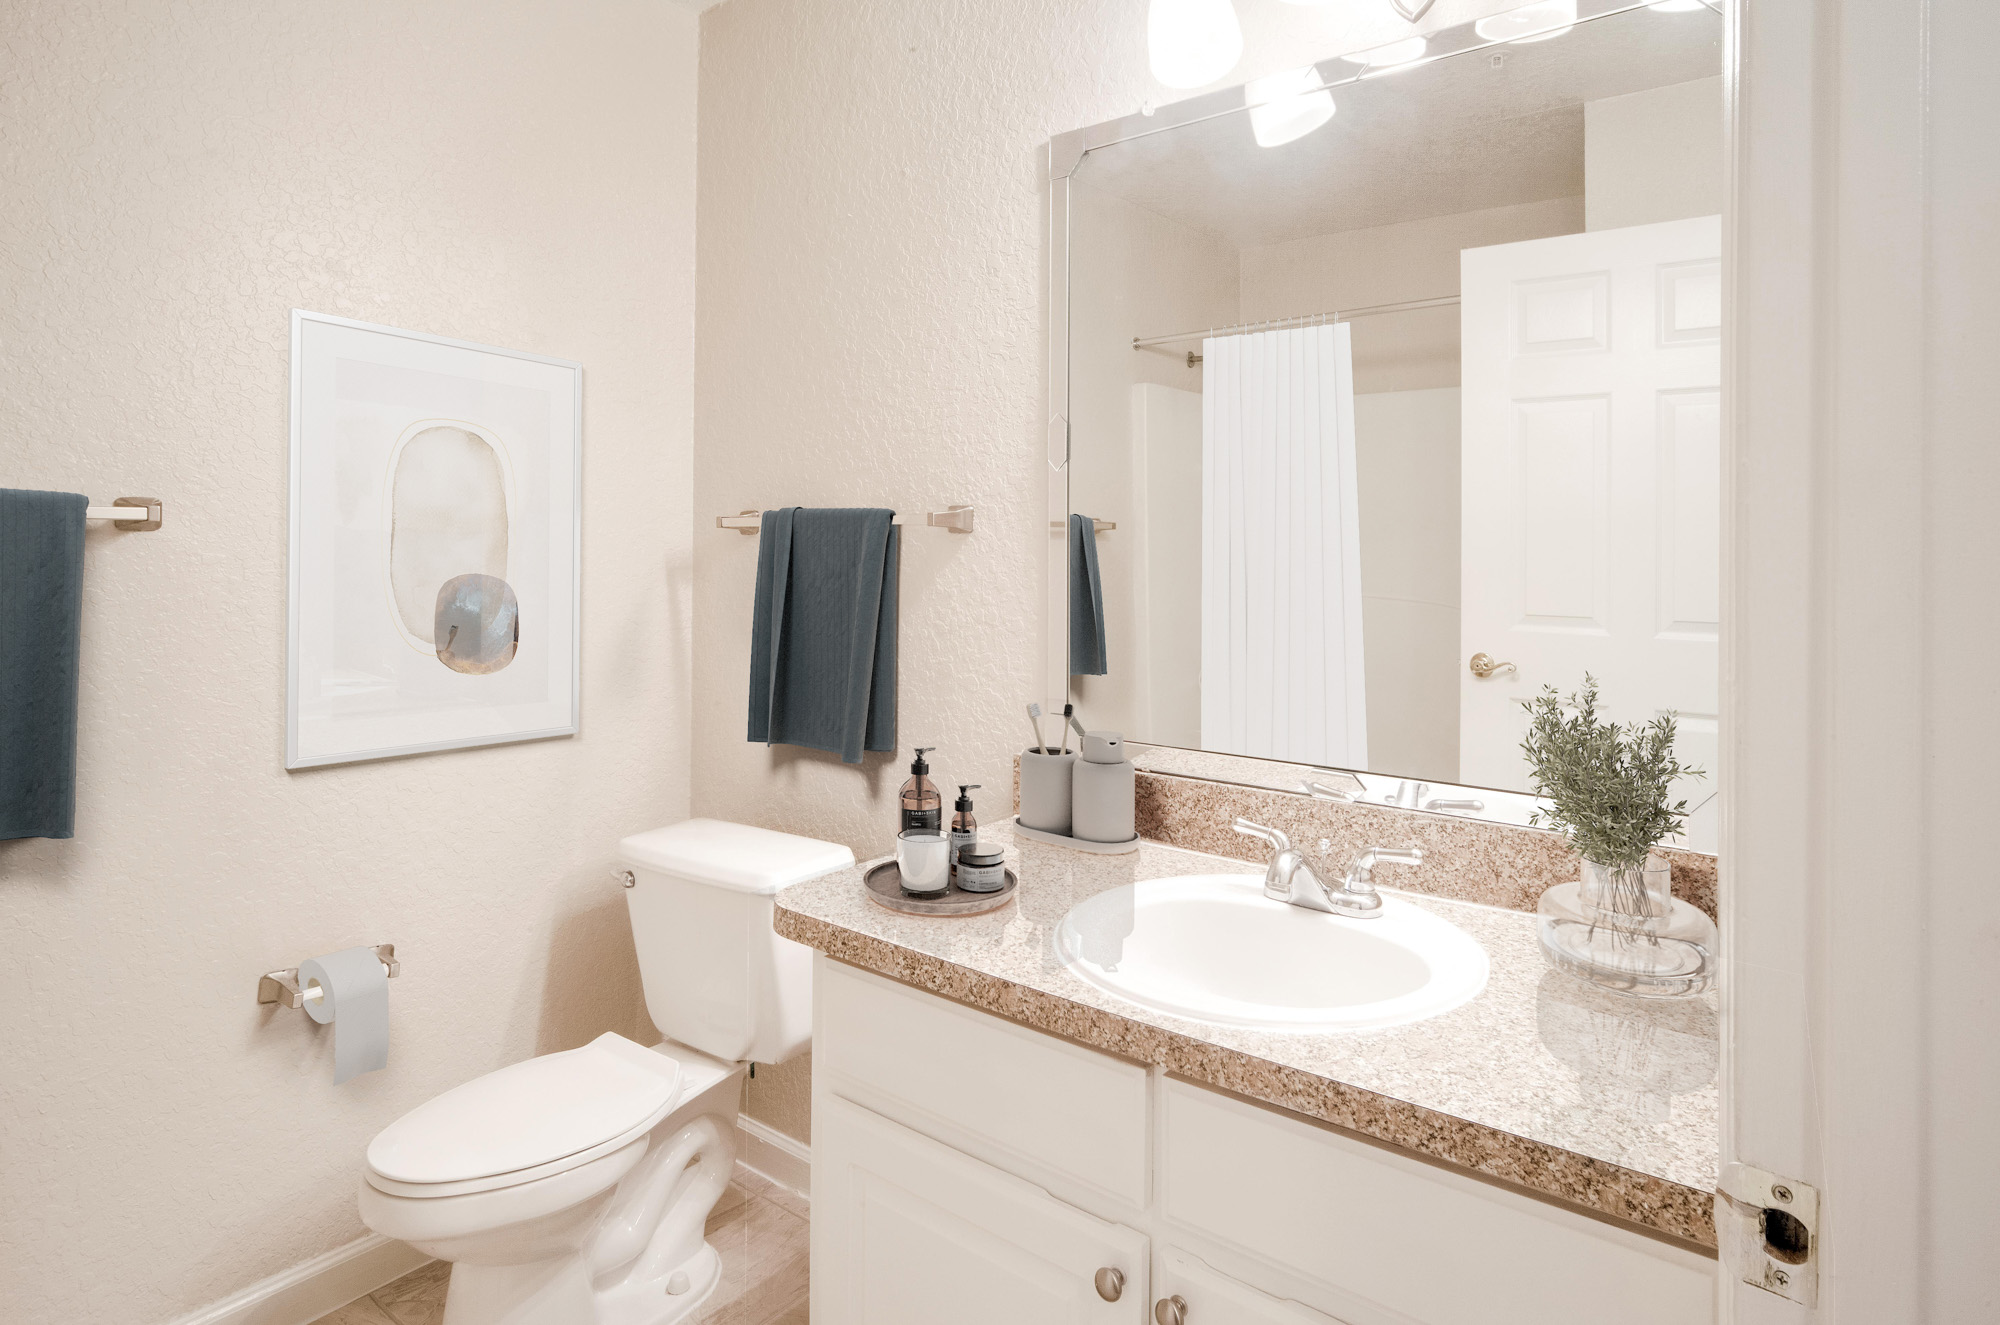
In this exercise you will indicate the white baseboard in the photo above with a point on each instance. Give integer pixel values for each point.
(771, 1154)
(312, 1288)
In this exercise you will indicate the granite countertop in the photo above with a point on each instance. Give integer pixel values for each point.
(1604, 1102)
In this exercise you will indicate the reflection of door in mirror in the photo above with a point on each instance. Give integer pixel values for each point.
(1592, 372)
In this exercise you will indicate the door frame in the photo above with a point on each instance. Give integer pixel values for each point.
(1858, 1052)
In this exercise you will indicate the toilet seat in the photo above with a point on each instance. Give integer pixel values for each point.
(526, 1122)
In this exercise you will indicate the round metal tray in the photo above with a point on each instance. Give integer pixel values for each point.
(885, 885)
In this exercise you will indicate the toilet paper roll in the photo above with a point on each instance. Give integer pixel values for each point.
(356, 1001)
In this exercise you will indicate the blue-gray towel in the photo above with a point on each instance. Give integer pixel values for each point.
(1086, 600)
(41, 613)
(823, 640)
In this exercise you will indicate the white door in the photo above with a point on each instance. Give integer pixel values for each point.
(1591, 517)
(909, 1232)
(1208, 1295)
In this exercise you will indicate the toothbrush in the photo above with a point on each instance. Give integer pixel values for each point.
(1035, 721)
(1069, 712)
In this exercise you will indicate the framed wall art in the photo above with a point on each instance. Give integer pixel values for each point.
(435, 522)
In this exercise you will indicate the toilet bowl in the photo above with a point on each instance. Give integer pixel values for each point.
(574, 1188)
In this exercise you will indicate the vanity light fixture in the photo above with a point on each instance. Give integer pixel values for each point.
(1678, 6)
(1536, 22)
(1394, 54)
(1287, 106)
(1191, 43)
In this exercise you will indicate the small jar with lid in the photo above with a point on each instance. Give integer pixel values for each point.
(982, 868)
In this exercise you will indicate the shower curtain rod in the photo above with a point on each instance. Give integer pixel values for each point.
(1306, 320)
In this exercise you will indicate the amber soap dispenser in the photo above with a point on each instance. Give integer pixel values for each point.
(923, 808)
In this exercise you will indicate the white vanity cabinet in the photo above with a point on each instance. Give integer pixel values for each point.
(912, 1232)
(967, 1169)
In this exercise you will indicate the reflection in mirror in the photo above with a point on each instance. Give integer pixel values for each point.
(1411, 412)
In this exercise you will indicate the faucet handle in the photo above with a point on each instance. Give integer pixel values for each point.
(1277, 839)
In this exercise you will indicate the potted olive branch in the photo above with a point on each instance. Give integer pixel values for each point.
(1607, 787)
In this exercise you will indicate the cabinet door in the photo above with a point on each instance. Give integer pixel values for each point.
(1210, 1297)
(906, 1231)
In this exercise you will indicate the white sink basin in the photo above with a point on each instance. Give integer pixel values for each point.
(1213, 948)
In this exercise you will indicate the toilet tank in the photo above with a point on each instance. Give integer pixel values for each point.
(716, 975)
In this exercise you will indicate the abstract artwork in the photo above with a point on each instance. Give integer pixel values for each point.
(434, 543)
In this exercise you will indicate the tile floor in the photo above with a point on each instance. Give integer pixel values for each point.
(758, 1227)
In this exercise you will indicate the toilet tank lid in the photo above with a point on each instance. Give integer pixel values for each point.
(734, 856)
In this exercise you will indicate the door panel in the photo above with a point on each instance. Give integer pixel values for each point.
(1591, 472)
(906, 1231)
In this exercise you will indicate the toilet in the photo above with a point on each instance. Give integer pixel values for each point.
(573, 1188)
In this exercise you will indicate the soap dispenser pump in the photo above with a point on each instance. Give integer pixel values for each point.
(923, 808)
(964, 828)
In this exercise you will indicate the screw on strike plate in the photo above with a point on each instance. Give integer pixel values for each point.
(1782, 1192)
(1780, 1278)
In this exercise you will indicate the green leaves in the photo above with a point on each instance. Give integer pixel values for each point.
(1607, 784)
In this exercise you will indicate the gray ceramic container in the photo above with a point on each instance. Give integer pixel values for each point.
(1045, 791)
(1101, 794)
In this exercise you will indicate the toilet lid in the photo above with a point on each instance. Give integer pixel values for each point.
(529, 1114)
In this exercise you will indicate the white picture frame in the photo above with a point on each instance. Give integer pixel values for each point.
(419, 461)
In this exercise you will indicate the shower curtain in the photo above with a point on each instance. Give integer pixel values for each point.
(1281, 662)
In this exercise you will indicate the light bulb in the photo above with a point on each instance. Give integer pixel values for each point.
(1287, 106)
(1537, 22)
(1192, 42)
(1395, 53)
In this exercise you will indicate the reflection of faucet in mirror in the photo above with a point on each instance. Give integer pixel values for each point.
(1448, 805)
(1327, 792)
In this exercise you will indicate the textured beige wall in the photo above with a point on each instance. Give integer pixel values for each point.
(174, 179)
(1653, 156)
(872, 308)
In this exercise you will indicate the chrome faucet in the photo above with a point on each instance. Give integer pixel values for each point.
(1288, 878)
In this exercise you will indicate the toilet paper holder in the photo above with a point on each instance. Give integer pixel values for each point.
(283, 986)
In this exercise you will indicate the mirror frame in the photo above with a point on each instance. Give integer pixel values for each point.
(1065, 153)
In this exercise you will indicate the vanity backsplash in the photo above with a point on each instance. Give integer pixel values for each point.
(1468, 860)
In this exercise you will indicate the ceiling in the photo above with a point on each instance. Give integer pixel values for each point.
(1489, 128)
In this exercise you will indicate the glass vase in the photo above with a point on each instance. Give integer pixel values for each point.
(1620, 928)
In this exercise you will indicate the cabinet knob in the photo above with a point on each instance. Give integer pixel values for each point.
(1171, 1310)
(1110, 1283)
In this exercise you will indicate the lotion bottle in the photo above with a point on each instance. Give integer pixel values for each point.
(964, 828)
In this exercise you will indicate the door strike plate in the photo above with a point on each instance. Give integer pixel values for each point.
(1768, 1228)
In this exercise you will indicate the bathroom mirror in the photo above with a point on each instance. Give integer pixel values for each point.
(1388, 391)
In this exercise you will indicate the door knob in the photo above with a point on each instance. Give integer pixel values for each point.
(1171, 1310)
(1110, 1283)
(1483, 666)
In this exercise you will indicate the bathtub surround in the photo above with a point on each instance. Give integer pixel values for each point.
(177, 179)
(41, 620)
